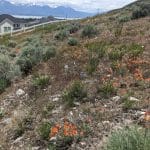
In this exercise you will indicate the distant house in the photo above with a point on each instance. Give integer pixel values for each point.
(9, 23)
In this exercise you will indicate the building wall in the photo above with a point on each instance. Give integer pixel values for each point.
(4, 26)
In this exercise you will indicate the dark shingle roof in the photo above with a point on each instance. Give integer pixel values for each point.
(13, 19)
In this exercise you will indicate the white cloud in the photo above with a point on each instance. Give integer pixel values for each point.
(84, 5)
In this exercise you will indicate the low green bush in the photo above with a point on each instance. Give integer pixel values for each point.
(8, 70)
(76, 93)
(61, 35)
(132, 138)
(48, 53)
(72, 42)
(123, 19)
(33, 54)
(89, 31)
(73, 28)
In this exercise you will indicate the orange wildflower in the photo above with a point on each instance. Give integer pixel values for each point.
(70, 129)
(55, 130)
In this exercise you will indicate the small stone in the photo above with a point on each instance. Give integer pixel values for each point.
(134, 99)
(55, 99)
(83, 144)
(106, 122)
(116, 98)
(53, 138)
(20, 92)
(35, 148)
(77, 103)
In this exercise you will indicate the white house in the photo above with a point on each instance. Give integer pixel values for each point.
(9, 23)
(6, 26)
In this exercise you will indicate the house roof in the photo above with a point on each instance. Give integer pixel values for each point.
(13, 19)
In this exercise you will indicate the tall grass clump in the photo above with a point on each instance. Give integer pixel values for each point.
(115, 55)
(96, 51)
(41, 81)
(44, 130)
(107, 90)
(132, 138)
(76, 93)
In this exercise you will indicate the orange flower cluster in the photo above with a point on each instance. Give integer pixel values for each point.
(69, 129)
(55, 130)
(138, 61)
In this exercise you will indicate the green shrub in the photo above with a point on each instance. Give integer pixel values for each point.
(132, 138)
(123, 19)
(107, 90)
(89, 31)
(143, 11)
(72, 42)
(76, 93)
(8, 71)
(48, 53)
(25, 65)
(74, 28)
(41, 81)
(44, 130)
(61, 35)
(33, 54)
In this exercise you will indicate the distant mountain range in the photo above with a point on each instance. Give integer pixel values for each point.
(37, 10)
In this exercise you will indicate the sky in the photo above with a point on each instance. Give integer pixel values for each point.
(82, 5)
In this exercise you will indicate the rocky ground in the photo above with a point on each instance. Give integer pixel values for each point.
(23, 108)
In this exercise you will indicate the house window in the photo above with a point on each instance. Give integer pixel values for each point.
(7, 29)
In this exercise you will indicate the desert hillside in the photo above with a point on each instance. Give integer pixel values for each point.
(78, 85)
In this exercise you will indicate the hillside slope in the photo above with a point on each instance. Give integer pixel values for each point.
(71, 85)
